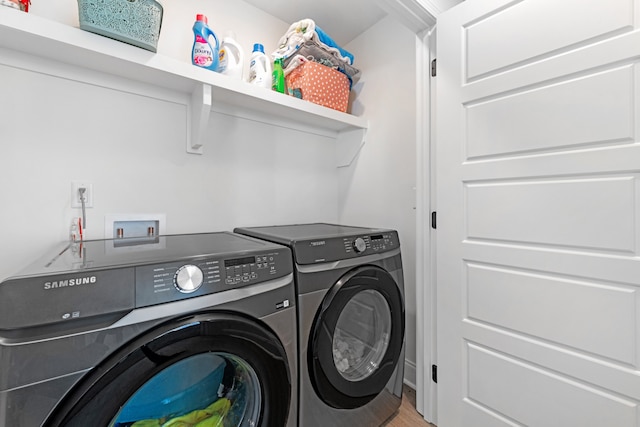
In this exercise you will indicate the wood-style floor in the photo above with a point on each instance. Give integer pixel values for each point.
(407, 416)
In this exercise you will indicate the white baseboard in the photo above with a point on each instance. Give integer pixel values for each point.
(410, 374)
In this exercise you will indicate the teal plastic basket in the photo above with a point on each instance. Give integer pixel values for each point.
(136, 22)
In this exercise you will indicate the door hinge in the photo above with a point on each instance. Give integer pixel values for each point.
(434, 373)
(433, 68)
(433, 219)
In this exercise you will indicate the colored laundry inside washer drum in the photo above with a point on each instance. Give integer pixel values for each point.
(178, 389)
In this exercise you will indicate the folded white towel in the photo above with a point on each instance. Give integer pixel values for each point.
(301, 32)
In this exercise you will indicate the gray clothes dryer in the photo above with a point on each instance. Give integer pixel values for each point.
(185, 327)
(351, 320)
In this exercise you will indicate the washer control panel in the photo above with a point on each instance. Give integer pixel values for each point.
(251, 268)
(161, 283)
(188, 278)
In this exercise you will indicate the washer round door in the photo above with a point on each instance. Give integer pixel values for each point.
(356, 338)
(203, 370)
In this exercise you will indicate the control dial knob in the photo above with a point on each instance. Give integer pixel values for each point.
(188, 278)
(359, 245)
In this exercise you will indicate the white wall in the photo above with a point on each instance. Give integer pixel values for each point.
(378, 188)
(131, 146)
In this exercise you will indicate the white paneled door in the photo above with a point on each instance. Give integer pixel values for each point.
(538, 195)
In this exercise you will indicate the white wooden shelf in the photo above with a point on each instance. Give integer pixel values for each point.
(209, 91)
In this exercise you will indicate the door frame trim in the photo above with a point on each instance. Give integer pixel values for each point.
(426, 391)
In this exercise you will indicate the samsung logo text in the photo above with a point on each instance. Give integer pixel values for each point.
(70, 282)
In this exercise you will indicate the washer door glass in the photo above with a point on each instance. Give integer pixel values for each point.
(357, 338)
(206, 370)
(361, 336)
(209, 389)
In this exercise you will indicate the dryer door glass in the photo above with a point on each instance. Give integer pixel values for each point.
(208, 369)
(362, 334)
(357, 338)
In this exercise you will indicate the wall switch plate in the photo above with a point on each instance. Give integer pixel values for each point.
(75, 194)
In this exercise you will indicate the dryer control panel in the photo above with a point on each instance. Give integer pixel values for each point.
(370, 244)
(331, 249)
(174, 281)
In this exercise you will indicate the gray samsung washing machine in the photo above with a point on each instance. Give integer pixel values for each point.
(172, 330)
(351, 321)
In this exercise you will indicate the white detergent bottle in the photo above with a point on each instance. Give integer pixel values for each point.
(260, 67)
(231, 57)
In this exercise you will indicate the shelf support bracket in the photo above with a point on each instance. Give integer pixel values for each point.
(349, 143)
(198, 120)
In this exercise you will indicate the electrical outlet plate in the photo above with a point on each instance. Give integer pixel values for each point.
(75, 195)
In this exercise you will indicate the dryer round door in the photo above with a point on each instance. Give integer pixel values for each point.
(208, 369)
(357, 338)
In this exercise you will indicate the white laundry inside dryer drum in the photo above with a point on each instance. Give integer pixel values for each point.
(361, 335)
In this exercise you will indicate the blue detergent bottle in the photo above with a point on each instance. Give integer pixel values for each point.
(205, 45)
